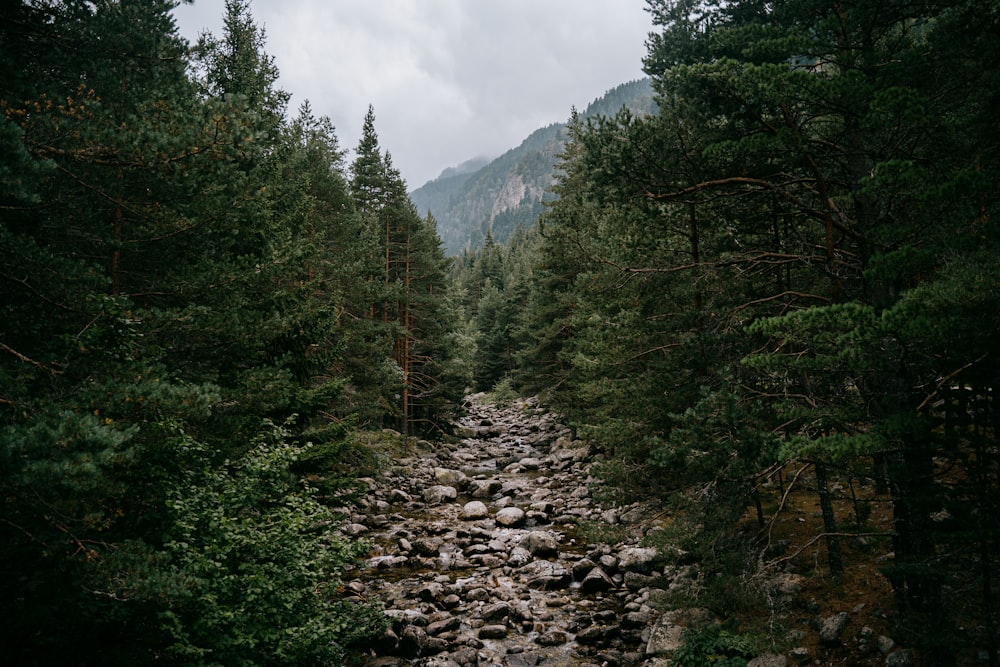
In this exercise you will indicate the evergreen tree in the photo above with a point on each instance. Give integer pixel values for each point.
(157, 307)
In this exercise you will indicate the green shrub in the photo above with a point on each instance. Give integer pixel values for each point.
(712, 645)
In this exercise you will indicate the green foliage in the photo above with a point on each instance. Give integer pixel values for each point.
(503, 393)
(713, 645)
(179, 261)
(260, 564)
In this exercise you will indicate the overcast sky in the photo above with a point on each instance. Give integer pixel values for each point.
(449, 79)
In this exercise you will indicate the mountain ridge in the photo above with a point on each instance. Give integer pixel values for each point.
(469, 201)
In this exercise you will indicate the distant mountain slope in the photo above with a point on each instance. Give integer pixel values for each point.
(496, 196)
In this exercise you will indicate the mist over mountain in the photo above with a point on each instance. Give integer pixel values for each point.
(483, 196)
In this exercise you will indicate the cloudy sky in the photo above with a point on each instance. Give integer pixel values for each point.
(449, 79)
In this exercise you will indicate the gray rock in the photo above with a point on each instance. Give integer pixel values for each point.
(510, 516)
(635, 581)
(664, 637)
(902, 658)
(484, 488)
(596, 581)
(525, 659)
(439, 493)
(474, 509)
(582, 567)
(444, 625)
(546, 575)
(518, 557)
(552, 637)
(541, 543)
(355, 529)
(769, 660)
(399, 496)
(412, 641)
(427, 546)
(495, 613)
(449, 477)
(492, 632)
(800, 654)
(885, 644)
(477, 595)
(637, 559)
(440, 661)
(832, 627)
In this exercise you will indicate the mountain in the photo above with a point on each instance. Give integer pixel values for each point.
(496, 196)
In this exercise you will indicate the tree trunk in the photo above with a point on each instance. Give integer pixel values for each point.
(834, 558)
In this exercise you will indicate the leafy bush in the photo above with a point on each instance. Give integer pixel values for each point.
(503, 393)
(260, 566)
(712, 645)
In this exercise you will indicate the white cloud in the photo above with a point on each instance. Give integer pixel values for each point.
(449, 79)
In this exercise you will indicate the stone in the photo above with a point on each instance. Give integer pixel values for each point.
(412, 641)
(885, 644)
(495, 613)
(484, 488)
(492, 632)
(552, 638)
(637, 559)
(445, 625)
(399, 496)
(449, 477)
(477, 595)
(546, 575)
(518, 557)
(769, 660)
(664, 637)
(440, 661)
(635, 581)
(594, 634)
(526, 659)
(832, 627)
(582, 567)
(800, 654)
(596, 581)
(541, 543)
(427, 546)
(510, 516)
(902, 658)
(439, 493)
(474, 509)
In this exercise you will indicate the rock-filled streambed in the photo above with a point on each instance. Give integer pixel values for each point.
(493, 552)
(480, 559)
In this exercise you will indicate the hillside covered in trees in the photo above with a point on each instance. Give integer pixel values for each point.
(212, 322)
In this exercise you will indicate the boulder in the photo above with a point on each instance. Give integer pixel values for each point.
(541, 543)
(832, 627)
(474, 509)
(493, 632)
(637, 559)
(510, 516)
(518, 557)
(546, 574)
(449, 477)
(596, 581)
(484, 488)
(439, 493)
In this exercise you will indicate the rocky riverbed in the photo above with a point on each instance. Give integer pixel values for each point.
(481, 560)
(493, 551)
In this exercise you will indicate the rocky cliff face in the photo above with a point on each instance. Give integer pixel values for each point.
(496, 196)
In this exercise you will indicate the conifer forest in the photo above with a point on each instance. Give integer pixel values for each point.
(778, 287)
